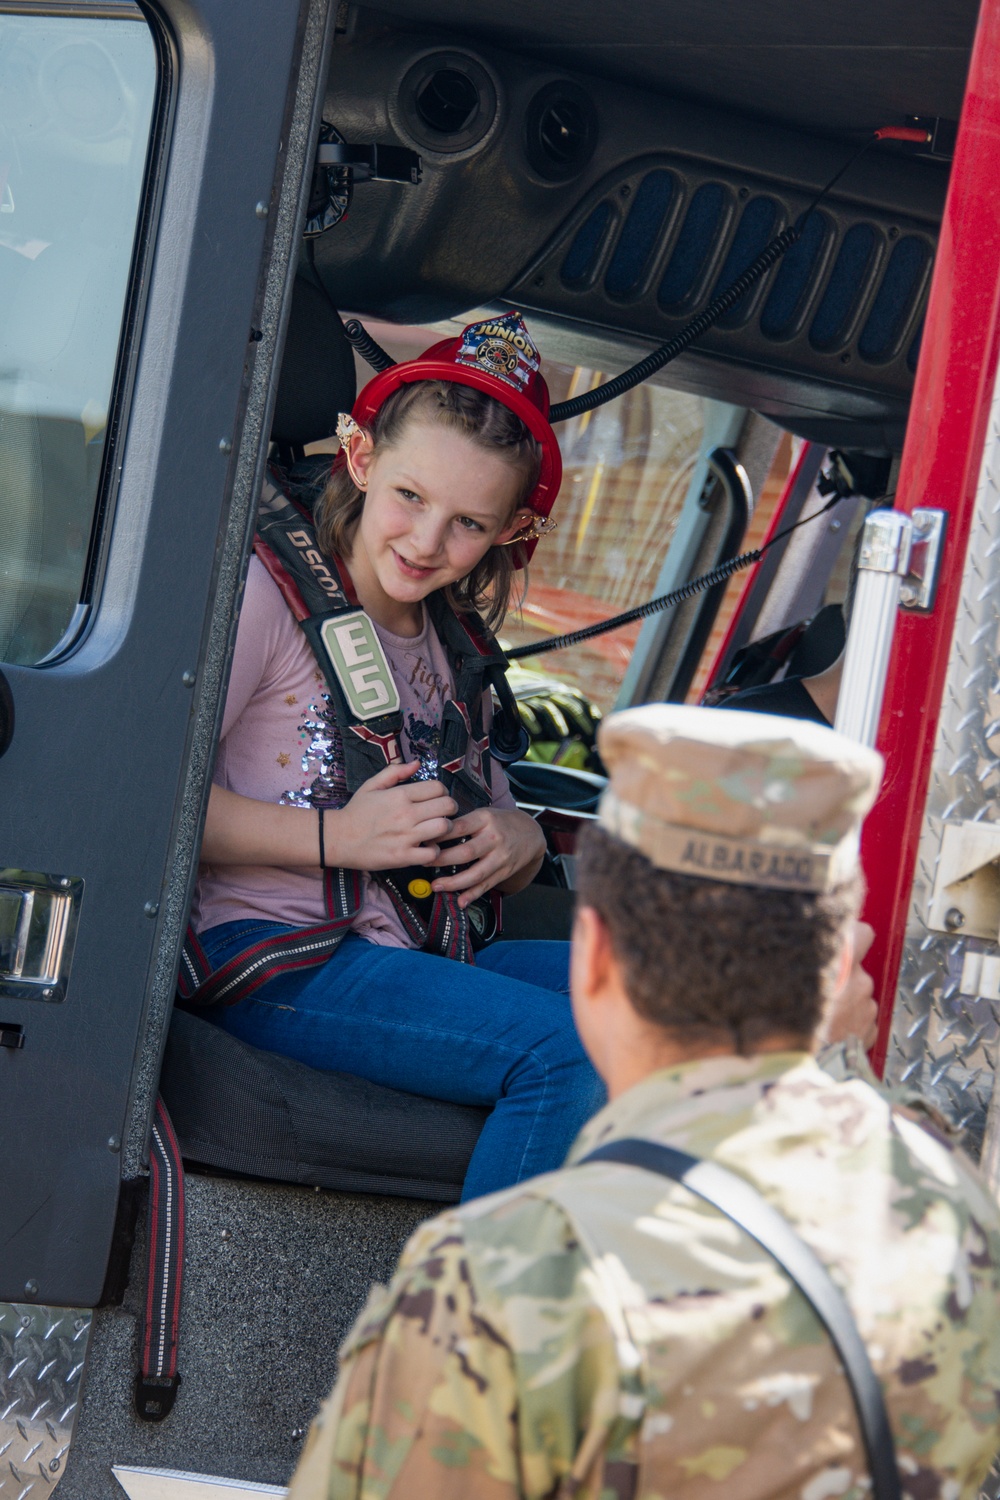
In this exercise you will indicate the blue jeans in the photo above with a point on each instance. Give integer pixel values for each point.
(498, 1033)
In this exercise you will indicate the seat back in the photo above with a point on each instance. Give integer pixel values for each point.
(318, 379)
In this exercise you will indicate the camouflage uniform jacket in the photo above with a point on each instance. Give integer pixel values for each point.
(599, 1332)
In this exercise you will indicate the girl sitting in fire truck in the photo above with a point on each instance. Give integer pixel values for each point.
(446, 475)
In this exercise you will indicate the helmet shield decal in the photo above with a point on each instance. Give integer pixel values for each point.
(500, 347)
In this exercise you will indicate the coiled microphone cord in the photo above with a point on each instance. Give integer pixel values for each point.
(718, 574)
(636, 374)
(371, 352)
(720, 305)
(379, 359)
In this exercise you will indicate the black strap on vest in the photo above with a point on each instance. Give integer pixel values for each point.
(157, 1381)
(739, 1201)
(318, 590)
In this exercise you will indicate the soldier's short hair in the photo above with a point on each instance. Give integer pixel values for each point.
(706, 959)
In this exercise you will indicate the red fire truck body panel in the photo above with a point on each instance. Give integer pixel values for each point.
(951, 406)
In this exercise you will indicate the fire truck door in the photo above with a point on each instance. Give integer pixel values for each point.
(151, 178)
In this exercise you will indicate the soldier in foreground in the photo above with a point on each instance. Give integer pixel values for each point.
(599, 1331)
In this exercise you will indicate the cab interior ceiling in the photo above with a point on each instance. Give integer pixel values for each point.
(609, 170)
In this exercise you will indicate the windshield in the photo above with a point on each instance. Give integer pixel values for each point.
(76, 99)
(628, 469)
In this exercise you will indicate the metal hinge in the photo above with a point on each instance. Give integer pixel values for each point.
(371, 163)
(340, 167)
(919, 587)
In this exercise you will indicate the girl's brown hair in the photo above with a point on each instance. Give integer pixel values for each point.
(476, 416)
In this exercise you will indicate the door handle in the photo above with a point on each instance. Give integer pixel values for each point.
(6, 715)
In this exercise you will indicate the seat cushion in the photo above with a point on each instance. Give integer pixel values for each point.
(237, 1108)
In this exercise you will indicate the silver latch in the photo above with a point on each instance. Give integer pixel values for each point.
(926, 547)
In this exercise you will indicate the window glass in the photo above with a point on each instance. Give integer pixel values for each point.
(626, 470)
(766, 503)
(76, 102)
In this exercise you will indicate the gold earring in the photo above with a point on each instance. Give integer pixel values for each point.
(361, 484)
(346, 429)
(533, 530)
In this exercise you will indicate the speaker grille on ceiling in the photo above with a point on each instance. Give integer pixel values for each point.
(703, 224)
(795, 278)
(662, 241)
(758, 224)
(894, 300)
(846, 287)
(640, 233)
(584, 252)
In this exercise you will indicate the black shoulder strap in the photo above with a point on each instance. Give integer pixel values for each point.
(742, 1203)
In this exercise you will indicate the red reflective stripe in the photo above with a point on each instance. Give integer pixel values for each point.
(350, 884)
(221, 977)
(286, 583)
(448, 931)
(245, 973)
(941, 463)
(151, 1277)
(470, 628)
(194, 967)
(288, 966)
(175, 1262)
(346, 581)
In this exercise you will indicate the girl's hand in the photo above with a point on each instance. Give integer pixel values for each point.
(504, 849)
(387, 824)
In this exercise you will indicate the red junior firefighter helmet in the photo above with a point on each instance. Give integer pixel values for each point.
(497, 356)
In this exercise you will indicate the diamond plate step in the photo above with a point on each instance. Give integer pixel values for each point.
(42, 1353)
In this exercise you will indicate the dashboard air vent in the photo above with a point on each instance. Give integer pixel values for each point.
(446, 105)
(447, 101)
(560, 131)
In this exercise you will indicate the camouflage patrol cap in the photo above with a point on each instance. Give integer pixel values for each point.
(749, 798)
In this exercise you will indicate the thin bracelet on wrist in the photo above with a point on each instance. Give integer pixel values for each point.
(322, 843)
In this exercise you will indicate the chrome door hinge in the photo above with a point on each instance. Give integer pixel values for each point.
(919, 587)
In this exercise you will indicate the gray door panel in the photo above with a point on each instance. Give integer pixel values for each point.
(104, 779)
